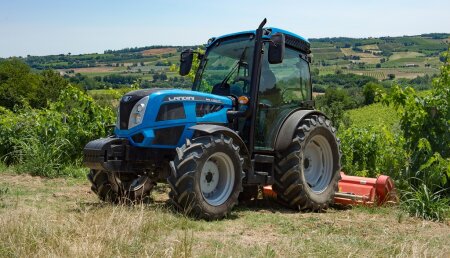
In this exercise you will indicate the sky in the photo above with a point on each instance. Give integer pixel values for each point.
(44, 27)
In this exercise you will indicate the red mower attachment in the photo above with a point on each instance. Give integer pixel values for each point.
(364, 190)
(356, 190)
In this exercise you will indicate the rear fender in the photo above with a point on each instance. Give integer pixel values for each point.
(212, 129)
(289, 126)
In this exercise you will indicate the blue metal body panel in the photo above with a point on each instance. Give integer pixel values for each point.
(149, 123)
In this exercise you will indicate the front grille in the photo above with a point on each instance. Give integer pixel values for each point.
(168, 136)
(171, 111)
(202, 109)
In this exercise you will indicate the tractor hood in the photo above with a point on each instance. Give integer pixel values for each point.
(143, 113)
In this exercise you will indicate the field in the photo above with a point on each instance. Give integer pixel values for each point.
(158, 51)
(61, 217)
(376, 115)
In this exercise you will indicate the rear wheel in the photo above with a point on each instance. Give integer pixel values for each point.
(206, 176)
(110, 187)
(307, 173)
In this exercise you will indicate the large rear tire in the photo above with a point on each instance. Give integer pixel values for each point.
(206, 177)
(307, 173)
(110, 187)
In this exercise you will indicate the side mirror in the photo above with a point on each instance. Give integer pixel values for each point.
(186, 61)
(276, 48)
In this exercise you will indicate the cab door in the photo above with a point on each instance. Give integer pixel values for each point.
(281, 89)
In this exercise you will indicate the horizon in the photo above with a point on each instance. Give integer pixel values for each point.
(53, 28)
(162, 46)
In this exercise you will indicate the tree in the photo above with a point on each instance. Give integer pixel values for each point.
(370, 91)
(156, 77)
(17, 84)
(333, 103)
(52, 86)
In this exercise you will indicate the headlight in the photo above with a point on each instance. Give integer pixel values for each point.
(138, 112)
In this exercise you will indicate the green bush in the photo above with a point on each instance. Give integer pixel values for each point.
(371, 151)
(45, 141)
(424, 121)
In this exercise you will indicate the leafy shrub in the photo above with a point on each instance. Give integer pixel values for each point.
(424, 121)
(44, 141)
(371, 151)
(425, 125)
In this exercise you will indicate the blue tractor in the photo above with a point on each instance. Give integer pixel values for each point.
(249, 121)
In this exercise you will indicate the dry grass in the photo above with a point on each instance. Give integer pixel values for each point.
(59, 217)
(350, 52)
(158, 51)
(370, 47)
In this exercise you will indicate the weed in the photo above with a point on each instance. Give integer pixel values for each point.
(183, 246)
(41, 158)
(3, 192)
(423, 203)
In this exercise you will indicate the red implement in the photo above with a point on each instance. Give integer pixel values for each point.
(365, 190)
(357, 190)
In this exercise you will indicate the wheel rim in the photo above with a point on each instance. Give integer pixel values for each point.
(318, 163)
(138, 183)
(217, 179)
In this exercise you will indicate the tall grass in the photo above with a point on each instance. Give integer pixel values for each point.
(41, 157)
(423, 202)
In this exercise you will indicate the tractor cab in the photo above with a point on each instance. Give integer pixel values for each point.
(265, 88)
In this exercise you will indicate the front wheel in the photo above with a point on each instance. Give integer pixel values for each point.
(115, 188)
(307, 173)
(206, 177)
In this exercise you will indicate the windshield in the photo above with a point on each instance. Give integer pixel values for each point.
(226, 67)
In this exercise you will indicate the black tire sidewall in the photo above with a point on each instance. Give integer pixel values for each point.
(328, 193)
(237, 187)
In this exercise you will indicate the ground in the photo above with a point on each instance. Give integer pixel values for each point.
(62, 217)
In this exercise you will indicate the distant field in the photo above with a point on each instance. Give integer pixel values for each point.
(158, 51)
(326, 53)
(370, 47)
(400, 55)
(351, 52)
(95, 69)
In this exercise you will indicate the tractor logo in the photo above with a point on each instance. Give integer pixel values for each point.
(181, 98)
(126, 98)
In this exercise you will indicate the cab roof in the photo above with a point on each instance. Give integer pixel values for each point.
(292, 39)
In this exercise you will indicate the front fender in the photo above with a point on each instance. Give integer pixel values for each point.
(211, 129)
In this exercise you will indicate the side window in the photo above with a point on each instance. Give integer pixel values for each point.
(282, 87)
(285, 83)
